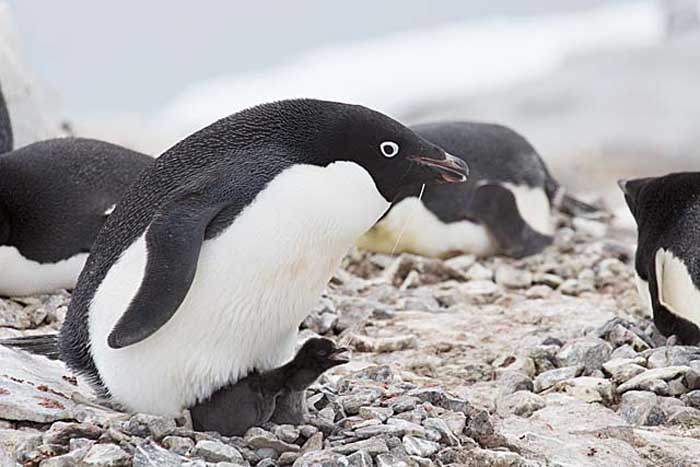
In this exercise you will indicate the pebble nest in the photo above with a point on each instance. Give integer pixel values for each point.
(544, 361)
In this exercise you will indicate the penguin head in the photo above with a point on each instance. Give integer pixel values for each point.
(315, 357)
(396, 158)
(634, 192)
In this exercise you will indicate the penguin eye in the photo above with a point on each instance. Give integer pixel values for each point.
(389, 149)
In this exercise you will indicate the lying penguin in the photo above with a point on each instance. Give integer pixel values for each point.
(54, 197)
(216, 254)
(232, 410)
(667, 212)
(504, 208)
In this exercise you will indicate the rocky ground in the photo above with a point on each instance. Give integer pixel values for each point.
(547, 361)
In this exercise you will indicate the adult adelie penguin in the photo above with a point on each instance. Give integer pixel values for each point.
(667, 211)
(207, 266)
(54, 197)
(505, 207)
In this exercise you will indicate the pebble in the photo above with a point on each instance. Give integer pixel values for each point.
(676, 355)
(641, 408)
(325, 458)
(419, 447)
(520, 403)
(590, 352)
(478, 272)
(622, 370)
(688, 417)
(625, 351)
(383, 344)
(360, 459)
(549, 378)
(588, 389)
(378, 413)
(511, 381)
(287, 433)
(654, 380)
(404, 404)
(178, 444)
(216, 451)
(106, 455)
(513, 278)
(257, 438)
(692, 377)
(389, 460)
(372, 446)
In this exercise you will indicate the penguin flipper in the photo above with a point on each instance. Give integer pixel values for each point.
(495, 206)
(174, 240)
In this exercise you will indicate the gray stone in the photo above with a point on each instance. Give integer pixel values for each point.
(692, 399)
(479, 272)
(625, 351)
(360, 459)
(447, 436)
(325, 458)
(288, 458)
(150, 454)
(383, 344)
(372, 446)
(406, 427)
(363, 397)
(480, 292)
(543, 356)
(314, 443)
(307, 431)
(455, 420)
(63, 432)
(676, 387)
(404, 404)
(623, 369)
(106, 455)
(539, 291)
(588, 389)
(216, 451)
(26, 402)
(144, 425)
(548, 379)
(14, 315)
(389, 460)
(641, 408)
(377, 430)
(510, 381)
(379, 413)
(692, 378)
(654, 380)
(257, 438)
(178, 444)
(14, 442)
(287, 433)
(688, 417)
(513, 278)
(419, 447)
(520, 403)
(439, 398)
(676, 355)
(589, 352)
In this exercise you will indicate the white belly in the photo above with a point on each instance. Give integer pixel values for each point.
(425, 234)
(22, 276)
(254, 284)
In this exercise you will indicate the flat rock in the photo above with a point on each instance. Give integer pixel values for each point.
(641, 408)
(654, 380)
(216, 451)
(549, 378)
(521, 403)
(589, 352)
(106, 455)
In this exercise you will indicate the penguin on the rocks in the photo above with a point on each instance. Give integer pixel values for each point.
(232, 410)
(667, 262)
(216, 254)
(54, 197)
(504, 208)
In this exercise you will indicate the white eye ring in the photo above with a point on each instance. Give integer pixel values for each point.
(389, 149)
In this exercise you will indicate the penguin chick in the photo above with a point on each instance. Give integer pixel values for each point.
(232, 410)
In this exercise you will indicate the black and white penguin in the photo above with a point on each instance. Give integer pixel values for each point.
(54, 197)
(207, 266)
(667, 212)
(505, 207)
(232, 410)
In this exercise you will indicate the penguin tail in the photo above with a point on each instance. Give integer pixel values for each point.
(46, 345)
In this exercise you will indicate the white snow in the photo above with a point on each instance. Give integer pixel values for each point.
(403, 71)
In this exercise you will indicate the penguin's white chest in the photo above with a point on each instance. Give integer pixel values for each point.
(255, 283)
(23, 276)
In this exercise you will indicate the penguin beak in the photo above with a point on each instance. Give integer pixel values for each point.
(339, 356)
(451, 169)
